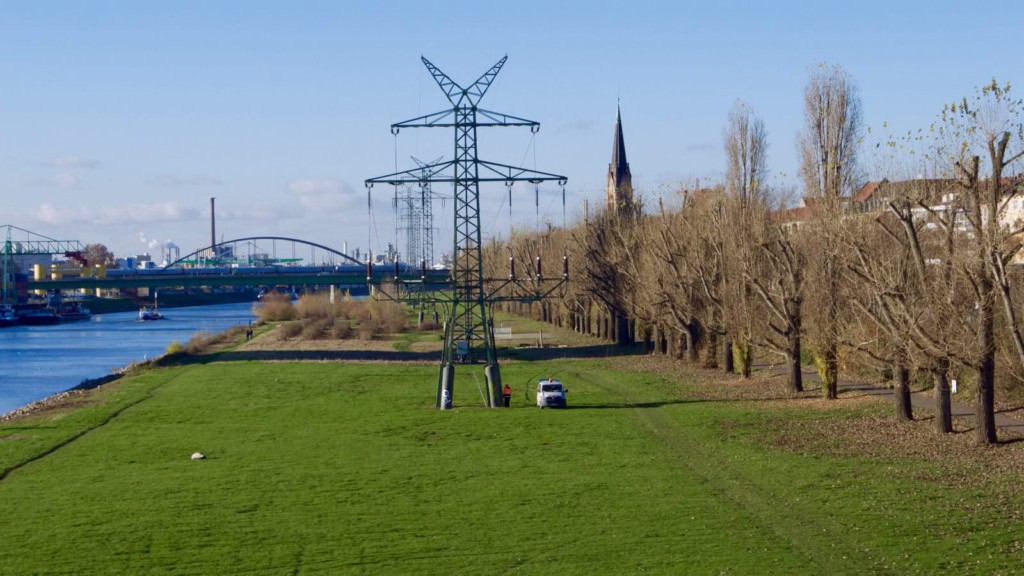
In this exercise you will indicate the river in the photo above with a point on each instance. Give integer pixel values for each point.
(38, 361)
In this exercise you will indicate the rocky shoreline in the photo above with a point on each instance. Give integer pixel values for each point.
(60, 399)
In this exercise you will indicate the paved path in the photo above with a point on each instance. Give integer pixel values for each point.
(926, 401)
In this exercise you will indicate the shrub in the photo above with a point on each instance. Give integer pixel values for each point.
(370, 329)
(342, 330)
(360, 311)
(350, 309)
(316, 329)
(275, 306)
(316, 306)
(174, 348)
(390, 316)
(289, 330)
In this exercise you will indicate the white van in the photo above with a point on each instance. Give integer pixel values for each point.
(550, 394)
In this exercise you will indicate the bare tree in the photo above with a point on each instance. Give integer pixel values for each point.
(990, 124)
(602, 259)
(832, 126)
(746, 146)
(677, 294)
(775, 272)
(903, 296)
(828, 146)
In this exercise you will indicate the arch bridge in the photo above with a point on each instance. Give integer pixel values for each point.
(222, 265)
(216, 253)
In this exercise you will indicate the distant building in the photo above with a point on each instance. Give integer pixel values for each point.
(942, 196)
(619, 194)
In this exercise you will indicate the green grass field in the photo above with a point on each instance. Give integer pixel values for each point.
(325, 468)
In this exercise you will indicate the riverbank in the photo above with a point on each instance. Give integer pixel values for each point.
(59, 400)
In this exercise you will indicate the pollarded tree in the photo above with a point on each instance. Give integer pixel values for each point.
(828, 146)
(990, 124)
(676, 291)
(702, 219)
(901, 268)
(775, 272)
(601, 252)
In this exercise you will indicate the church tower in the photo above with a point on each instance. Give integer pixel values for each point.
(620, 181)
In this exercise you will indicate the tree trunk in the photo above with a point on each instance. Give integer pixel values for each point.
(794, 350)
(904, 406)
(746, 359)
(692, 337)
(943, 410)
(831, 372)
(795, 377)
(984, 414)
(621, 329)
(711, 350)
(730, 360)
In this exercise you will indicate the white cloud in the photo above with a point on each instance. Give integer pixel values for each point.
(73, 162)
(324, 196)
(134, 213)
(256, 212)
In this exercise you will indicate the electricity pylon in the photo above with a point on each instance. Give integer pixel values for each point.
(415, 217)
(468, 329)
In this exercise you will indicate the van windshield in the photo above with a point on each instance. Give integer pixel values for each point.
(550, 387)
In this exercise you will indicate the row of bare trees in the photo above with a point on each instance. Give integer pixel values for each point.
(924, 286)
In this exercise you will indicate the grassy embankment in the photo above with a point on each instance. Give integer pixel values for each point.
(325, 468)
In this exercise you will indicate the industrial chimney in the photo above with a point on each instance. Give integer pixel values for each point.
(213, 228)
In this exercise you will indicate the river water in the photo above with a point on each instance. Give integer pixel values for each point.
(38, 361)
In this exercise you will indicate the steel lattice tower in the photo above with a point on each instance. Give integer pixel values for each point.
(415, 217)
(469, 334)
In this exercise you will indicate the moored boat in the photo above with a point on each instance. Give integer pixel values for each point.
(38, 316)
(146, 314)
(72, 312)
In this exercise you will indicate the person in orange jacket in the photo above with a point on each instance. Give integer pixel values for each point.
(506, 393)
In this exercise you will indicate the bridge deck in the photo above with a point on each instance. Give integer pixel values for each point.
(438, 278)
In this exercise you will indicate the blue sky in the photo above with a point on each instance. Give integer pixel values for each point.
(119, 120)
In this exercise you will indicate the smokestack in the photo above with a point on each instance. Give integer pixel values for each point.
(213, 227)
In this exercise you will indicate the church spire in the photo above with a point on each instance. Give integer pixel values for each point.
(620, 180)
